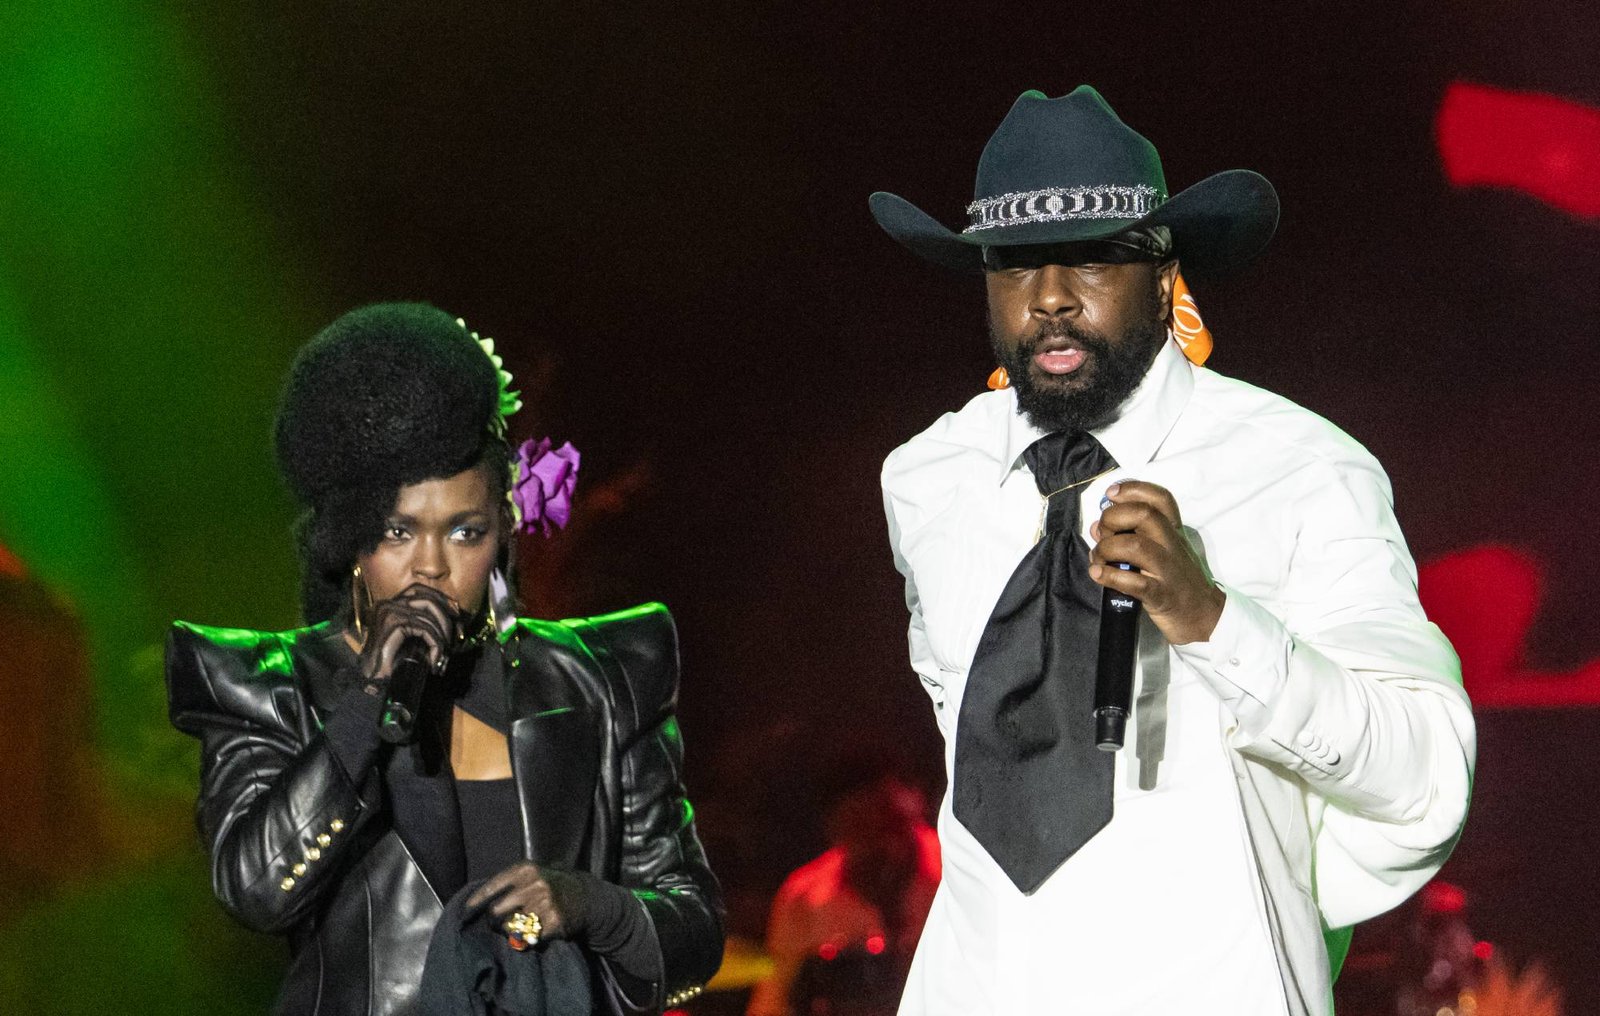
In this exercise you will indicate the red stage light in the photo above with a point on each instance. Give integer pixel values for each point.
(1444, 898)
(1483, 950)
(875, 945)
(1486, 599)
(1542, 145)
(828, 951)
(11, 564)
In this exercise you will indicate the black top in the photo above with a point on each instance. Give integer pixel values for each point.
(491, 828)
(491, 823)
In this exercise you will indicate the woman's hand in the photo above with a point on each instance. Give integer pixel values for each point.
(419, 611)
(560, 899)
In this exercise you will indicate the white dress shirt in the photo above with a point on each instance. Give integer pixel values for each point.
(1306, 768)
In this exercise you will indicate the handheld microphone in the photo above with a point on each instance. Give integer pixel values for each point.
(403, 700)
(1113, 676)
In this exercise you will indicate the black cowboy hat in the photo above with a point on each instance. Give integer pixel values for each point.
(1067, 169)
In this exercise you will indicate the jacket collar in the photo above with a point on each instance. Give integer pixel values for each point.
(1135, 436)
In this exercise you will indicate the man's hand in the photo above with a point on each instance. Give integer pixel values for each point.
(1142, 527)
(558, 898)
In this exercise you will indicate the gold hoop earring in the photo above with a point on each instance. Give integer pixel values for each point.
(355, 601)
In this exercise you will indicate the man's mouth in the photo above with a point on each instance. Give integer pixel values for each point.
(1059, 355)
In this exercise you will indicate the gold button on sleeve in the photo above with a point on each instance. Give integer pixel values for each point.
(337, 825)
(313, 854)
(680, 997)
(299, 869)
(323, 839)
(286, 884)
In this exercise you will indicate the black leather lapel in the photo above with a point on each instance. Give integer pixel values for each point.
(555, 745)
(427, 819)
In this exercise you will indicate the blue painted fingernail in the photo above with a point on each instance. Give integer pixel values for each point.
(1105, 503)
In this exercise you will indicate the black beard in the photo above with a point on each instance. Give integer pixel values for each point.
(1118, 368)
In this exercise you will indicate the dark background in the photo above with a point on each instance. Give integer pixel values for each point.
(660, 214)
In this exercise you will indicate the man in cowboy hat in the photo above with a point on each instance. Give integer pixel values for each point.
(1299, 753)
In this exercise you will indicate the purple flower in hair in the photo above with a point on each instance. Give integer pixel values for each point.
(542, 492)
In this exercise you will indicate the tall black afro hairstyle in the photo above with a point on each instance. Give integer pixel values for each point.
(388, 395)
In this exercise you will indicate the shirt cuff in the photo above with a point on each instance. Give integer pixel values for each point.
(1246, 660)
(352, 733)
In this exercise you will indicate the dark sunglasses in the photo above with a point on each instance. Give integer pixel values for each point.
(1088, 252)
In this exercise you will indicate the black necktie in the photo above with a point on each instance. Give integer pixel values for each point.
(1029, 782)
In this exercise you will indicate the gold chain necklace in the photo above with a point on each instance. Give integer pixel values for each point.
(1044, 499)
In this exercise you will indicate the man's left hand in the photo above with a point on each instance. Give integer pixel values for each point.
(1142, 527)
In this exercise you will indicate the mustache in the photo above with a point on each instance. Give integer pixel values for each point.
(1092, 342)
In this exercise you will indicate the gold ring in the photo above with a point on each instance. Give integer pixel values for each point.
(523, 928)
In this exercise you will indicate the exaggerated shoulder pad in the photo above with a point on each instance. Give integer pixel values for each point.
(227, 667)
(642, 645)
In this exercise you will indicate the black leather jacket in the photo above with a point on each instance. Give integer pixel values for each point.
(298, 848)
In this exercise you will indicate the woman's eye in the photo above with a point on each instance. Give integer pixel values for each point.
(467, 534)
(394, 533)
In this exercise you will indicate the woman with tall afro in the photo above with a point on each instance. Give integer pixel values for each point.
(446, 808)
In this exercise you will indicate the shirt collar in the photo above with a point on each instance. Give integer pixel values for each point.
(1134, 437)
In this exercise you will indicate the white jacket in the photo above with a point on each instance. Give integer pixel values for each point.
(1350, 738)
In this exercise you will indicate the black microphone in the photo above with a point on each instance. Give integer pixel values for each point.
(403, 699)
(1113, 676)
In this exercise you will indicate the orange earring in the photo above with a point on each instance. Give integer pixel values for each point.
(999, 379)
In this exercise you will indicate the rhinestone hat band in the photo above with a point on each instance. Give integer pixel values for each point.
(1063, 204)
